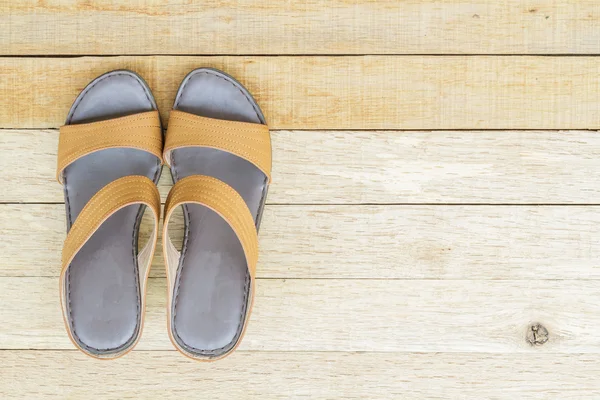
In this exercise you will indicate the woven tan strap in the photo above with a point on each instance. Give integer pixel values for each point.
(219, 197)
(139, 131)
(108, 200)
(249, 141)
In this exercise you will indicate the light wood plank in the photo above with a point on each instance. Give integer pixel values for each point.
(368, 242)
(256, 375)
(330, 167)
(314, 27)
(372, 92)
(354, 315)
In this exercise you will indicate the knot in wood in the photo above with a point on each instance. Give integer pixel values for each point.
(537, 334)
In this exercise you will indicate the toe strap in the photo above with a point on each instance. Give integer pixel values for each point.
(139, 131)
(249, 141)
(222, 199)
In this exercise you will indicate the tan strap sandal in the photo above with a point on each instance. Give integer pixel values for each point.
(109, 160)
(219, 150)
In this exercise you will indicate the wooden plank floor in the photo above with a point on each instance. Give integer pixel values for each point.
(433, 229)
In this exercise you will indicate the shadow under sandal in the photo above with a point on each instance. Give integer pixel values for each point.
(219, 150)
(109, 160)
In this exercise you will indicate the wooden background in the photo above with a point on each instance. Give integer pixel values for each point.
(435, 198)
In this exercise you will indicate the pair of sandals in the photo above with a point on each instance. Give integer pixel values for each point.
(110, 158)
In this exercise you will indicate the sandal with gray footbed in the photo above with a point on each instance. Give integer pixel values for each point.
(219, 150)
(109, 160)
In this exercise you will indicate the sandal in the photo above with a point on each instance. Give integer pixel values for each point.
(219, 150)
(109, 160)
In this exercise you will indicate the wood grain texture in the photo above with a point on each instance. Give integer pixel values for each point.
(435, 195)
(354, 315)
(366, 242)
(314, 27)
(274, 375)
(330, 167)
(370, 92)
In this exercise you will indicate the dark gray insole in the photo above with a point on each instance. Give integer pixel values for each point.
(102, 283)
(212, 285)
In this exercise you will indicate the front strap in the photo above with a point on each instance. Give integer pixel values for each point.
(249, 141)
(139, 131)
(222, 199)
